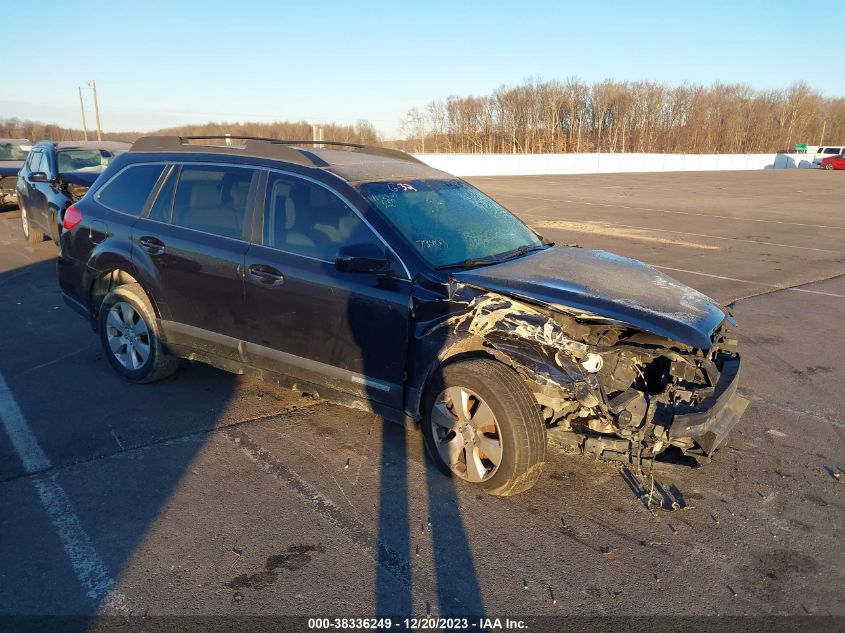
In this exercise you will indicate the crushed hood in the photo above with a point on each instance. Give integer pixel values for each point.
(608, 285)
(80, 178)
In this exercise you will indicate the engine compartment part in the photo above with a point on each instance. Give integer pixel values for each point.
(617, 388)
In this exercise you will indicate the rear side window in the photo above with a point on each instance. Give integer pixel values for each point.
(160, 210)
(212, 199)
(831, 150)
(129, 190)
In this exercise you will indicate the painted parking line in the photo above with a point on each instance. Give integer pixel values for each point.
(89, 567)
(755, 283)
(541, 219)
(671, 211)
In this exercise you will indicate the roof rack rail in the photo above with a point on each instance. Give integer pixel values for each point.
(260, 146)
(253, 147)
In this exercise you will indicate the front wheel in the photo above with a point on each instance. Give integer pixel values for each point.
(129, 334)
(828, 166)
(31, 233)
(482, 424)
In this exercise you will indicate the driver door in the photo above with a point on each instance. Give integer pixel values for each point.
(306, 319)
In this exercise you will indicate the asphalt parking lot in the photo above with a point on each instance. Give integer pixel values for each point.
(211, 493)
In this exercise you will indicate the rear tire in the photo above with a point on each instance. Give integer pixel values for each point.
(31, 233)
(130, 336)
(498, 441)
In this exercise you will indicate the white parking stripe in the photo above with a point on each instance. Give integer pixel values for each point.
(89, 567)
(533, 218)
(755, 283)
(674, 211)
(33, 458)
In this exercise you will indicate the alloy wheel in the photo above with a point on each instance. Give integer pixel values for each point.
(128, 336)
(466, 434)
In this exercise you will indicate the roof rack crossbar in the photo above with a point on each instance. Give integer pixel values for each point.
(260, 146)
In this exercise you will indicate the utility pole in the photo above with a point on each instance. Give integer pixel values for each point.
(82, 106)
(96, 110)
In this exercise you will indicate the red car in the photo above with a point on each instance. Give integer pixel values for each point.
(834, 162)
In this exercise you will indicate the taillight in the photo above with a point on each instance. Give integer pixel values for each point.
(73, 216)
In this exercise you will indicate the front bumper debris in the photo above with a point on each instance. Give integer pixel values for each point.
(710, 423)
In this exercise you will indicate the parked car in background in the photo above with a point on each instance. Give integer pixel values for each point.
(834, 162)
(13, 152)
(366, 277)
(826, 151)
(55, 175)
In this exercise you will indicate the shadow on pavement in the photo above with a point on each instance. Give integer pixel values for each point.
(80, 411)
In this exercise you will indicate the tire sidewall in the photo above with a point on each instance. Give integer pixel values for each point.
(115, 296)
(25, 226)
(457, 374)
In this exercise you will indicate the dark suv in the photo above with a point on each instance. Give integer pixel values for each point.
(361, 275)
(54, 176)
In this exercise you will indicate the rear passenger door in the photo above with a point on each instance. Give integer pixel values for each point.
(308, 320)
(191, 242)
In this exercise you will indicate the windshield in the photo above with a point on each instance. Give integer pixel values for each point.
(90, 160)
(450, 223)
(12, 151)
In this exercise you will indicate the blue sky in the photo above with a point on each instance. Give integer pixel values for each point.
(165, 63)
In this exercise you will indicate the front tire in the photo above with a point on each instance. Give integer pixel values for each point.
(31, 233)
(130, 337)
(829, 166)
(482, 424)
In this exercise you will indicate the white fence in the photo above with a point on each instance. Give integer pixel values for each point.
(543, 164)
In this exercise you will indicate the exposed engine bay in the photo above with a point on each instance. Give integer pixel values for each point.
(612, 389)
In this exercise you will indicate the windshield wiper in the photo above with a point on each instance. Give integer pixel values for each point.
(522, 250)
(496, 259)
(471, 263)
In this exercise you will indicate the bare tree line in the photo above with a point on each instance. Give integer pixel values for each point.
(638, 116)
(362, 132)
(569, 116)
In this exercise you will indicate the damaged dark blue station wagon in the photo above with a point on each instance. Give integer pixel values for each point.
(361, 275)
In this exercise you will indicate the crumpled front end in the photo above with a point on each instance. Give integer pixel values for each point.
(8, 195)
(612, 389)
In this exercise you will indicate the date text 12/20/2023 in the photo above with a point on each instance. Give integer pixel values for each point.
(415, 624)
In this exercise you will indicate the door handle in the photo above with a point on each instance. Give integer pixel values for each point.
(152, 245)
(266, 274)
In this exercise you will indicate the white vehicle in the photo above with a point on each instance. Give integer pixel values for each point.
(827, 150)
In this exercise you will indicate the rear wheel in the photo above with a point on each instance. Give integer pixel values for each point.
(31, 233)
(129, 334)
(481, 424)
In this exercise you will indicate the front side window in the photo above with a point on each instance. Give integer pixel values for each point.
(129, 190)
(34, 163)
(304, 218)
(831, 150)
(47, 166)
(449, 222)
(86, 160)
(212, 199)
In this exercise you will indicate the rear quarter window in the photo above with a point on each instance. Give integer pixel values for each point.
(129, 190)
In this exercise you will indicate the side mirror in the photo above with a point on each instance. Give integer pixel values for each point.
(38, 176)
(362, 258)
